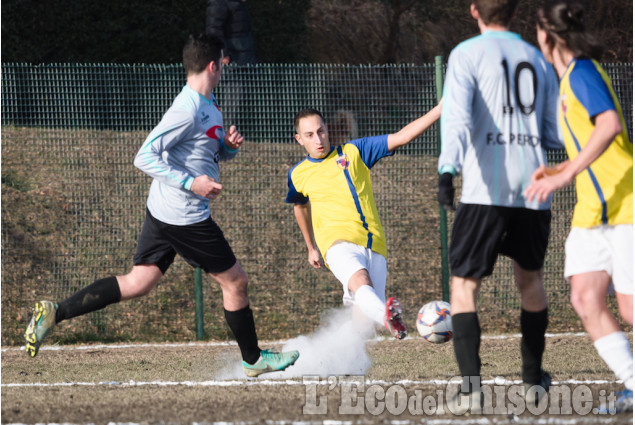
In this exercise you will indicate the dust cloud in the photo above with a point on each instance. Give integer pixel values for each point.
(336, 347)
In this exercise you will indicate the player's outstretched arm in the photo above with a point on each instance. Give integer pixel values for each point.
(547, 180)
(303, 217)
(414, 129)
(544, 171)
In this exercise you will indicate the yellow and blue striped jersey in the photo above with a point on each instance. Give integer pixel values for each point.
(605, 189)
(341, 194)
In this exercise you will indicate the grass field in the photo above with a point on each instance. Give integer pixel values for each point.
(202, 382)
(74, 215)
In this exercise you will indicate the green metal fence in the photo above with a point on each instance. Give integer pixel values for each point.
(73, 203)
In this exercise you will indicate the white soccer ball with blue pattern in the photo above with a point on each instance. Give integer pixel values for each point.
(434, 322)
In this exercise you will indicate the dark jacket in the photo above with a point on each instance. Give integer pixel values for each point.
(230, 21)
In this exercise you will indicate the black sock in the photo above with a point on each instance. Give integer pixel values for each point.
(241, 323)
(95, 296)
(532, 345)
(467, 342)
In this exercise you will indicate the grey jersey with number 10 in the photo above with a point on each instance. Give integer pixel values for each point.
(499, 114)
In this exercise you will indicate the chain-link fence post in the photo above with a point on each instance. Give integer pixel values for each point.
(443, 219)
(198, 295)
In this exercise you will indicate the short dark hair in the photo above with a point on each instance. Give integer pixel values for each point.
(564, 21)
(496, 12)
(308, 112)
(199, 51)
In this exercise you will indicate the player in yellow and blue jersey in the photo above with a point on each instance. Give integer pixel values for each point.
(335, 208)
(599, 248)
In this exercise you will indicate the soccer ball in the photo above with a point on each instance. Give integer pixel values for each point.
(434, 322)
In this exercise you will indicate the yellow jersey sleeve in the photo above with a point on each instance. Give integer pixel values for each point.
(605, 189)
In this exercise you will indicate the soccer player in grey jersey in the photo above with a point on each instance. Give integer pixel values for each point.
(499, 114)
(181, 154)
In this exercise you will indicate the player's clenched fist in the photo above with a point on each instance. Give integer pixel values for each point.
(233, 139)
(206, 187)
(315, 259)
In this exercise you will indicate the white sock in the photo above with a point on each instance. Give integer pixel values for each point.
(370, 304)
(616, 352)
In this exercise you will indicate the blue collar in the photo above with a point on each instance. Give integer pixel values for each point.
(311, 159)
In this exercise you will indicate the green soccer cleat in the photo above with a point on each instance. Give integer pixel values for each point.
(270, 361)
(42, 322)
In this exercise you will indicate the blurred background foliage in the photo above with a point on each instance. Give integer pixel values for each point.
(286, 31)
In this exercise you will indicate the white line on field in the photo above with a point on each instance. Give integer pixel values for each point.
(289, 382)
(520, 420)
(233, 343)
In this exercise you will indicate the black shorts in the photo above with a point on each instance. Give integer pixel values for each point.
(481, 232)
(201, 245)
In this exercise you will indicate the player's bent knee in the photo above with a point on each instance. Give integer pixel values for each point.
(577, 302)
(133, 288)
(587, 305)
(234, 295)
(139, 281)
(237, 286)
(233, 283)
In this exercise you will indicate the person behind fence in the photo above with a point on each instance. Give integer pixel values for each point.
(599, 248)
(499, 115)
(230, 21)
(336, 212)
(182, 155)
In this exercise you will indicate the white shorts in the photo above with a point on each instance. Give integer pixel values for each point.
(345, 258)
(602, 248)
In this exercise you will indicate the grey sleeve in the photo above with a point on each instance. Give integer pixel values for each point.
(551, 134)
(176, 123)
(456, 116)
